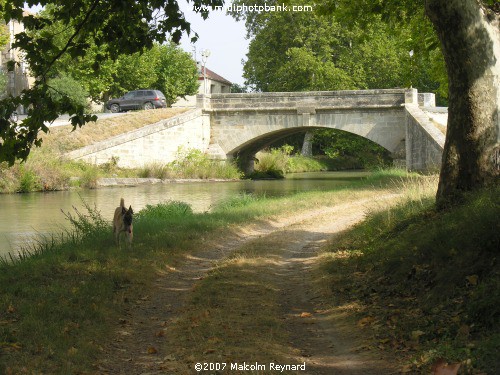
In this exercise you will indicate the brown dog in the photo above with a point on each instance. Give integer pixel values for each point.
(122, 222)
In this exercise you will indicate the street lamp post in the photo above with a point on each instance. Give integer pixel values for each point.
(204, 57)
(411, 67)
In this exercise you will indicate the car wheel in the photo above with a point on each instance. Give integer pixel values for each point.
(148, 105)
(115, 108)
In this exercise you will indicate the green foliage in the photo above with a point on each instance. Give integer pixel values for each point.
(236, 88)
(4, 36)
(65, 88)
(191, 163)
(273, 164)
(335, 144)
(28, 180)
(164, 210)
(438, 268)
(176, 73)
(78, 30)
(4, 39)
(354, 45)
(299, 163)
(163, 67)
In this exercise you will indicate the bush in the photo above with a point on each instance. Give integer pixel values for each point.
(65, 88)
(28, 180)
(274, 163)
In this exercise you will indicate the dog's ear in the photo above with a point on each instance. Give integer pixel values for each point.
(130, 210)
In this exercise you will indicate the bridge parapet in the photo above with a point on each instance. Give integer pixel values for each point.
(308, 102)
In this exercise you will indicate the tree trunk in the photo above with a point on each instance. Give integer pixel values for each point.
(470, 39)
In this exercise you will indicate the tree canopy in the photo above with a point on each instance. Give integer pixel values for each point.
(348, 46)
(100, 31)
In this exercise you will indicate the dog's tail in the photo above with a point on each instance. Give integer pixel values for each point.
(122, 203)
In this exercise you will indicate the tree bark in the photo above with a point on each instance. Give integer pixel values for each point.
(470, 39)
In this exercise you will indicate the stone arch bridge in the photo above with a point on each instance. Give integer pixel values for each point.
(229, 125)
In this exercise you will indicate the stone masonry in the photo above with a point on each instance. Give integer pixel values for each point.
(229, 125)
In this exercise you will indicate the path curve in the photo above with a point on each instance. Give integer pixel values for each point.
(326, 348)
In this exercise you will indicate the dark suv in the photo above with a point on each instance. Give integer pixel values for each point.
(137, 99)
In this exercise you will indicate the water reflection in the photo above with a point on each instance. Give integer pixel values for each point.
(25, 215)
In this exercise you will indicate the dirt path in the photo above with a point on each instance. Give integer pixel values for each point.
(326, 344)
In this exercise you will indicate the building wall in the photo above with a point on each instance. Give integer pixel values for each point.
(20, 78)
(213, 87)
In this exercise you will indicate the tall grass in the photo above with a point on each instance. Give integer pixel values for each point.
(191, 163)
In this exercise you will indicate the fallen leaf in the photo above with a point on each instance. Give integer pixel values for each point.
(472, 279)
(366, 321)
(305, 315)
(152, 350)
(11, 309)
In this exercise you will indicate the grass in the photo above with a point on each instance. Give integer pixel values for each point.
(277, 162)
(192, 164)
(60, 301)
(426, 283)
(64, 139)
(222, 323)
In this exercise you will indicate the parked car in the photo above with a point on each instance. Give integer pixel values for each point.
(137, 99)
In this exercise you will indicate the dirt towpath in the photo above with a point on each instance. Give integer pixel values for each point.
(325, 342)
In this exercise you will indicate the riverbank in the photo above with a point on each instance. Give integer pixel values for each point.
(48, 170)
(61, 301)
(63, 309)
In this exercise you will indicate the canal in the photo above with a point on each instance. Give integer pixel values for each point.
(26, 217)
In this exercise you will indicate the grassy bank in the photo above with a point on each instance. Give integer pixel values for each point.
(47, 170)
(61, 301)
(276, 163)
(425, 284)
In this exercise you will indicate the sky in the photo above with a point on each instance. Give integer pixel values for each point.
(223, 37)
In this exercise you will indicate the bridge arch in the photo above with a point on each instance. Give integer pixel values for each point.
(265, 140)
(242, 124)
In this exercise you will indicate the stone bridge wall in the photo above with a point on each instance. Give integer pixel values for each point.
(155, 143)
(424, 141)
(225, 125)
(248, 122)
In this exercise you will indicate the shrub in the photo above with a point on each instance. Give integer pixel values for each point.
(28, 180)
(65, 88)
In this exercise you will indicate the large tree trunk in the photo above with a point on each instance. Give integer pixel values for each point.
(470, 39)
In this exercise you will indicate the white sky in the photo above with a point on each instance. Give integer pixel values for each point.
(223, 37)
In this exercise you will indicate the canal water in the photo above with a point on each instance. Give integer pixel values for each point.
(24, 217)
